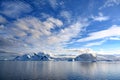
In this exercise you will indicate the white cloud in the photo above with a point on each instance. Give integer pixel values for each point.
(35, 27)
(2, 19)
(1, 27)
(66, 15)
(35, 35)
(110, 3)
(100, 17)
(61, 3)
(114, 38)
(44, 15)
(108, 52)
(57, 22)
(79, 51)
(95, 43)
(15, 9)
(53, 3)
(66, 34)
(110, 32)
(31, 31)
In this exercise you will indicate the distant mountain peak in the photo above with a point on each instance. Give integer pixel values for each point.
(85, 57)
(34, 57)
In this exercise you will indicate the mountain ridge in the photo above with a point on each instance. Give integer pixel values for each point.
(41, 56)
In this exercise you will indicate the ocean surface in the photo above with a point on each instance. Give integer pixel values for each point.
(59, 70)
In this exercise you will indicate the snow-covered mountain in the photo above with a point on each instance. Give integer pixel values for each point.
(82, 57)
(33, 57)
(98, 57)
(108, 57)
(85, 57)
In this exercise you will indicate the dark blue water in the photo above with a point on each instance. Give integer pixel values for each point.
(36, 70)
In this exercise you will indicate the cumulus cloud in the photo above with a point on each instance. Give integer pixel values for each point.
(35, 35)
(15, 8)
(100, 17)
(67, 33)
(35, 31)
(30, 30)
(10, 44)
(36, 28)
(110, 32)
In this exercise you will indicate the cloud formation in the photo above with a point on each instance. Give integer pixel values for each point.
(114, 38)
(2, 20)
(81, 51)
(54, 25)
(110, 32)
(15, 9)
(95, 43)
(110, 3)
(36, 35)
(66, 15)
(100, 17)
(53, 3)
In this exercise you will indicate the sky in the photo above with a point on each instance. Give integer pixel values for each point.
(60, 26)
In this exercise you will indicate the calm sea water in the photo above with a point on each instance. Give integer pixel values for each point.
(62, 70)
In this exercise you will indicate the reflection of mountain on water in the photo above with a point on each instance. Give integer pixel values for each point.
(61, 70)
(86, 69)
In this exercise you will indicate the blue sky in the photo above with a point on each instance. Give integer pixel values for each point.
(60, 26)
